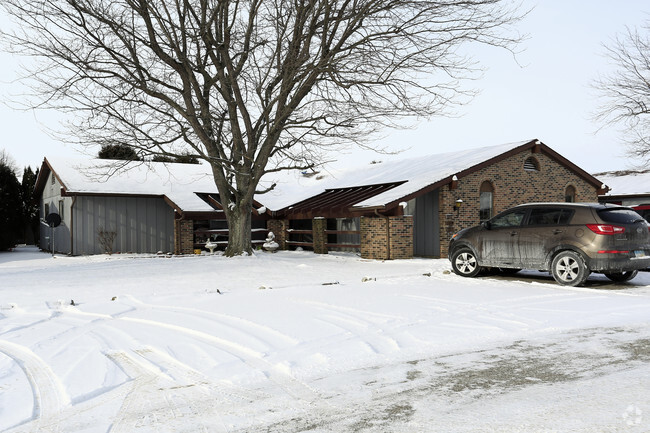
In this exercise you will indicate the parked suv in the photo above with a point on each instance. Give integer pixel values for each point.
(643, 210)
(570, 240)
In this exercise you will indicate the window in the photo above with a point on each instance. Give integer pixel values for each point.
(510, 219)
(570, 194)
(531, 164)
(618, 216)
(46, 210)
(61, 209)
(549, 216)
(486, 201)
(53, 179)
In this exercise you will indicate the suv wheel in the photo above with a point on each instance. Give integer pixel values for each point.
(464, 263)
(569, 269)
(621, 277)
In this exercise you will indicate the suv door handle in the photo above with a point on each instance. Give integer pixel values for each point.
(557, 231)
(513, 233)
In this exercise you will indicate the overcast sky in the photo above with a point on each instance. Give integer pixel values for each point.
(545, 95)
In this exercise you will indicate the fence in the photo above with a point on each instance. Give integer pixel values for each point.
(336, 239)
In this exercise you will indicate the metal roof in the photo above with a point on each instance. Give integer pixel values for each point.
(335, 202)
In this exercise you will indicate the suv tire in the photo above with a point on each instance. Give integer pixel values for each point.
(464, 263)
(621, 277)
(569, 268)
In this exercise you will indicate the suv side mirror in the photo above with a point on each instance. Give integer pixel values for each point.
(487, 225)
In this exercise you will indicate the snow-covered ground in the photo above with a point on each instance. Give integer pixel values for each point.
(293, 341)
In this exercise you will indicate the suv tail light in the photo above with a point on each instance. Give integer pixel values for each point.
(606, 229)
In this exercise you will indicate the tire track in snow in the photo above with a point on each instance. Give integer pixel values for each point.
(234, 322)
(169, 396)
(49, 393)
(484, 316)
(157, 400)
(186, 376)
(249, 356)
(169, 404)
(377, 343)
(252, 358)
(379, 338)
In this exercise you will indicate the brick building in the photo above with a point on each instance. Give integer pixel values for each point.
(413, 206)
(390, 210)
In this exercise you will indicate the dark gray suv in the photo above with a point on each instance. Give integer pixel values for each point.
(570, 240)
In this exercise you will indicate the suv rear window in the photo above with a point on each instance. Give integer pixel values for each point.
(619, 216)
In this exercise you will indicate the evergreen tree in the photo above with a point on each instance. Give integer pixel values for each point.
(10, 211)
(118, 151)
(30, 206)
(184, 158)
(163, 158)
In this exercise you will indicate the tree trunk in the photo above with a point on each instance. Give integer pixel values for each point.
(239, 230)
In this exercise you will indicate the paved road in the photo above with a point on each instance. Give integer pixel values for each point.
(590, 380)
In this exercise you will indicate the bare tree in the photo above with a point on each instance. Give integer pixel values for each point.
(8, 161)
(626, 92)
(251, 86)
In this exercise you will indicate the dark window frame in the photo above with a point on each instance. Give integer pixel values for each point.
(494, 222)
(485, 213)
(570, 193)
(549, 216)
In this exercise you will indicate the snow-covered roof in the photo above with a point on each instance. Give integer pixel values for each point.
(416, 173)
(178, 182)
(626, 183)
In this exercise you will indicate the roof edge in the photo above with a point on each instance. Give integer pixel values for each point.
(535, 144)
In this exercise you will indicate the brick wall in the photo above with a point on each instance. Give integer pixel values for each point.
(512, 186)
(183, 236)
(401, 237)
(374, 237)
(279, 229)
(318, 226)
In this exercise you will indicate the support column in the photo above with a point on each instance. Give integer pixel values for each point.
(401, 237)
(318, 227)
(279, 229)
(374, 238)
(183, 236)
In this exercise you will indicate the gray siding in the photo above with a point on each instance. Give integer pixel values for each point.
(51, 197)
(143, 225)
(426, 224)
